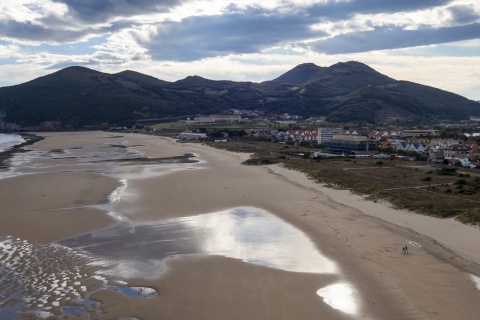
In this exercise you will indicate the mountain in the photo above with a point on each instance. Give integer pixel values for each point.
(301, 74)
(140, 77)
(344, 92)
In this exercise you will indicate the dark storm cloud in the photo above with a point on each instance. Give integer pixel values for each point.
(394, 38)
(29, 31)
(57, 31)
(253, 30)
(106, 10)
(242, 30)
(201, 37)
(463, 14)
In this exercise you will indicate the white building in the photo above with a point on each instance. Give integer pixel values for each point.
(192, 135)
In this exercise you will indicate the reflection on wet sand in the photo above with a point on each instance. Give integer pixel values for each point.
(476, 280)
(42, 279)
(341, 296)
(250, 234)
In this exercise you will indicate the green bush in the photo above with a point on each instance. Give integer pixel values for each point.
(446, 171)
(471, 216)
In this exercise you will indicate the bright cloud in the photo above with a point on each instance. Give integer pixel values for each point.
(244, 39)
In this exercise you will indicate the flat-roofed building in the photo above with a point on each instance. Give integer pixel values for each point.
(419, 133)
(350, 145)
(188, 135)
(327, 133)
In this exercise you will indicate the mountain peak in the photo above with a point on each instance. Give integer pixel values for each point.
(140, 77)
(351, 66)
(300, 74)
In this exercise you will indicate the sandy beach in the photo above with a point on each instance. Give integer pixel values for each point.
(64, 188)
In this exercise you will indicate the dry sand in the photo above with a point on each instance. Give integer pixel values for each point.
(364, 238)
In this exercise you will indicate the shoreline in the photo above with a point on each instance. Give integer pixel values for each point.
(29, 138)
(367, 248)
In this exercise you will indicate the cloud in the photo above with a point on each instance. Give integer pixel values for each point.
(107, 10)
(382, 38)
(253, 31)
(463, 14)
(338, 10)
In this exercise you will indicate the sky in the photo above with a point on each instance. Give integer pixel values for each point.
(432, 42)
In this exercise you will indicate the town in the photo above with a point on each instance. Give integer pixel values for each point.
(448, 143)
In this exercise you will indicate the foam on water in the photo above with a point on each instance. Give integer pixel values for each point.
(9, 140)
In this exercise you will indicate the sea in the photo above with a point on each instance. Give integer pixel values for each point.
(9, 140)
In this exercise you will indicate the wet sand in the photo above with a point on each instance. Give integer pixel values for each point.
(363, 238)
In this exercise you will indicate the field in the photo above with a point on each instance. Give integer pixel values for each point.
(181, 126)
(417, 186)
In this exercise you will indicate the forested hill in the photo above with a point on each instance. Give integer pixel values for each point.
(344, 92)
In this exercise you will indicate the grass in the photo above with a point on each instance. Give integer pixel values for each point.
(442, 193)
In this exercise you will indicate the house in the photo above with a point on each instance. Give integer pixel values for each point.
(409, 146)
(383, 135)
(457, 152)
(302, 135)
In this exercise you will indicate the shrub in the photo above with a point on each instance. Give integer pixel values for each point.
(469, 191)
(461, 181)
(446, 171)
(427, 179)
(379, 163)
(471, 216)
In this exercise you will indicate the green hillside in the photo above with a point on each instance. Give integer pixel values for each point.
(344, 92)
